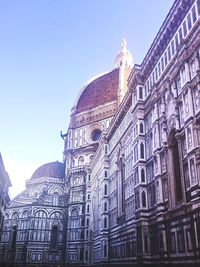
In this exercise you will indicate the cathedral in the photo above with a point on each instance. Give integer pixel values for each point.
(128, 190)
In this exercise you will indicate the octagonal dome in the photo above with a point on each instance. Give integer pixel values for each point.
(52, 169)
(106, 87)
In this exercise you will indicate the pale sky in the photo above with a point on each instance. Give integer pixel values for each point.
(48, 50)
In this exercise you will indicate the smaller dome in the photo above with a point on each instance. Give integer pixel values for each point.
(53, 169)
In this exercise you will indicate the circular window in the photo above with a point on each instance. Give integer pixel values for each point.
(95, 135)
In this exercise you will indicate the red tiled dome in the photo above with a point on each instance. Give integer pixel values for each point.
(53, 169)
(100, 91)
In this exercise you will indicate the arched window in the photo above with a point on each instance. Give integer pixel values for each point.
(88, 196)
(142, 151)
(106, 174)
(141, 128)
(105, 223)
(25, 220)
(55, 201)
(142, 175)
(25, 214)
(54, 237)
(87, 222)
(144, 204)
(105, 189)
(80, 161)
(88, 208)
(14, 236)
(15, 216)
(74, 212)
(105, 206)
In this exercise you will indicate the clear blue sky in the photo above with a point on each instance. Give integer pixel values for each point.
(48, 50)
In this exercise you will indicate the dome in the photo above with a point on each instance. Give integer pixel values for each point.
(106, 87)
(53, 169)
(100, 91)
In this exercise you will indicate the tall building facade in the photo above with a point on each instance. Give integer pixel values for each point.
(128, 190)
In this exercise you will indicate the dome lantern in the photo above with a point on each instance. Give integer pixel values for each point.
(124, 57)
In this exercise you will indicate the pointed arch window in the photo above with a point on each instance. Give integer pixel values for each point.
(142, 175)
(142, 151)
(105, 189)
(54, 237)
(105, 206)
(141, 128)
(105, 223)
(144, 203)
(88, 208)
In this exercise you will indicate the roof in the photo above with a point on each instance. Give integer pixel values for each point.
(100, 91)
(53, 169)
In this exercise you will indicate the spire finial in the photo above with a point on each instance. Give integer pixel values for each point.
(124, 43)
